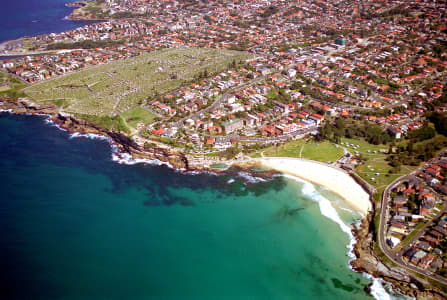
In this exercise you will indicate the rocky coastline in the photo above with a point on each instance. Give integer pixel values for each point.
(80, 14)
(366, 260)
(67, 122)
(76, 4)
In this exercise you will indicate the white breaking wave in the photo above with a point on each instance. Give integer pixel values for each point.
(325, 205)
(51, 123)
(127, 159)
(6, 111)
(327, 210)
(346, 209)
(249, 178)
(198, 172)
(380, 292)
(91, 136)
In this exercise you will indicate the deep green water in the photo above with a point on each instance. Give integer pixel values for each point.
(76, 225)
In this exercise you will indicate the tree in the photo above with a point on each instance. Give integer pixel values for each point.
(440, 121)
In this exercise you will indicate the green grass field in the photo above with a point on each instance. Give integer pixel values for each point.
(322, 151)
(10, 85)
(376, 169)
(114, 88)
(138, 115)
(4, 88)
(290, 149)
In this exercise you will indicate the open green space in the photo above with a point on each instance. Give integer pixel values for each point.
(364, 146)
(4, 88)
(138, 115)
(10, 86)
(289, 149)
(116, 87)
(375, 170)
(218, 166)
(320, 151)
(323, 151)
(115, 123)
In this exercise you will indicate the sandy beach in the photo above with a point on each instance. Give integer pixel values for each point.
(332, 178)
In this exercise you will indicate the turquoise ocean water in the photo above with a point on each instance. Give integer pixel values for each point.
(76, 225)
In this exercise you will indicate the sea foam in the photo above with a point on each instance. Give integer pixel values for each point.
(249, 178)
(380, 290)
(127, 159)
(91, 136)
(377, 289)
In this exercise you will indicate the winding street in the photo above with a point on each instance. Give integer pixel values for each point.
(396, 257)
(219, 101)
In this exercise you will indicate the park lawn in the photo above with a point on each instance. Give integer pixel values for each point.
(289, 149)
(364, 146)
(61, 102)
(11, 85)
(214, 154)
(320, 151)
(256, 155)
(377, 168)
(4, 88)
(138, 115)
(218, 166)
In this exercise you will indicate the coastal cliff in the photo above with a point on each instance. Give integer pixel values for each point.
(80, 13)
(368, 262)
(125, 144)
(366, 259)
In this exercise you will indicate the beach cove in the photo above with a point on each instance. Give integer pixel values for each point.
(330, 177)
(138, 218)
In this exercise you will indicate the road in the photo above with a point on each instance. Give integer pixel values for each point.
(219, 101)
(396, 257)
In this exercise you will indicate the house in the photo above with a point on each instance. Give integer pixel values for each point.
(232, 125)
(265, 71)
(317, 118)
(417, 257)
(215, 129)
(291, 73)
(431, 171)
(426, 261)
(423, 246)
(269, 130)
(409, 254)
(395, 132)
(399, 201)
(252, 120)
(427, 204)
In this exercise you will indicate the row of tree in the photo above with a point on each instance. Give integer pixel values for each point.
(87, 44)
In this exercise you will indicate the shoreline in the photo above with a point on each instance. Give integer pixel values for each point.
(365, 260)
(78, 13)
(330, 177)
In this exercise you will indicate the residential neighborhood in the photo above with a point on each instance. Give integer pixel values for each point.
(377, 70)
(356, 90)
